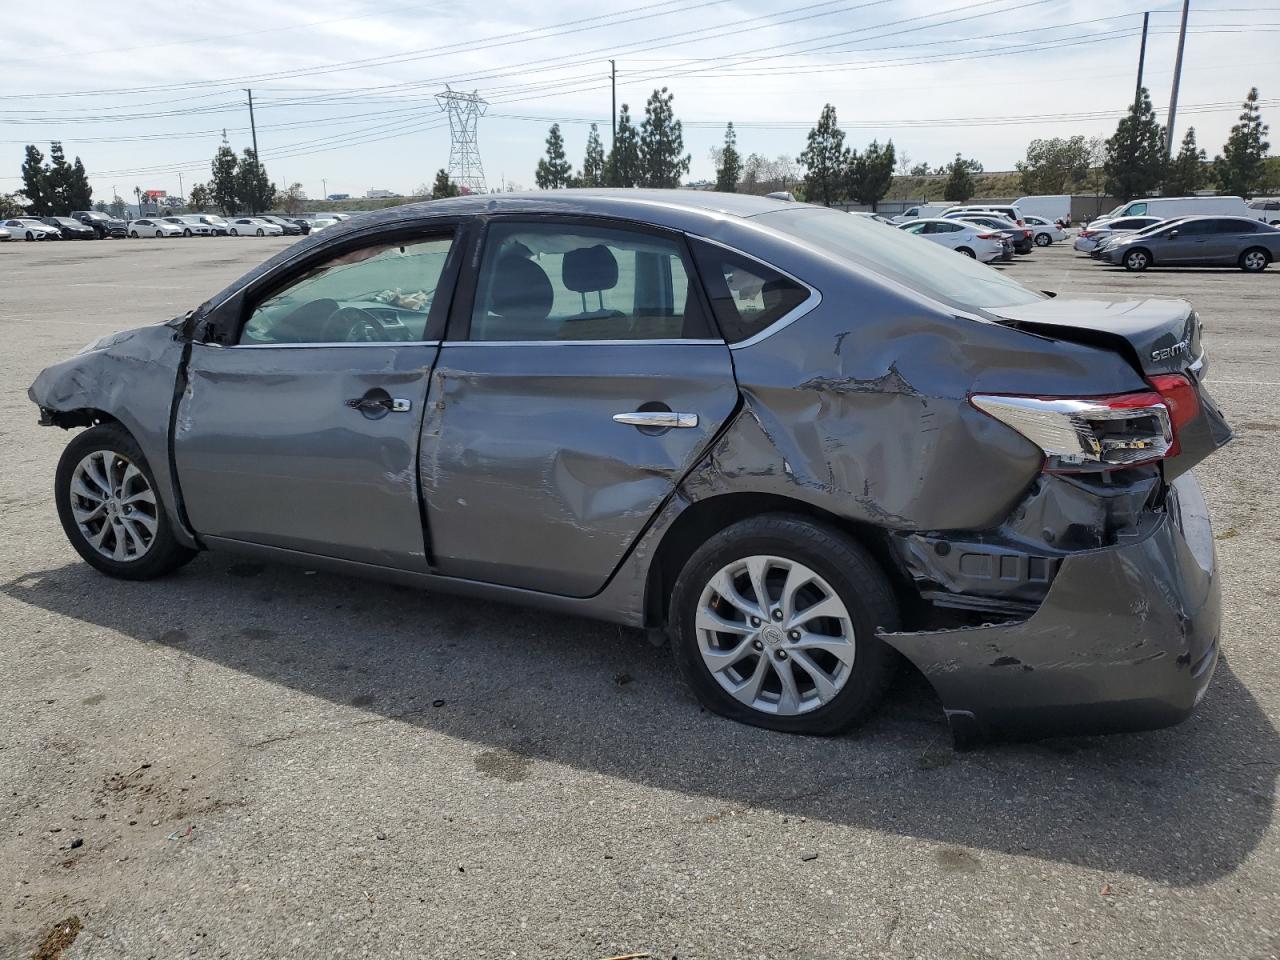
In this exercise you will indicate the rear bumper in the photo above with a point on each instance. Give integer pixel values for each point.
(1126, 639)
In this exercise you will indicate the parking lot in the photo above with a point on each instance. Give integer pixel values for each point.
(251, 761)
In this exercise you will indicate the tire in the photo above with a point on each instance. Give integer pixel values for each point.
(967, 252)
(1137, 260)
(259, 233)
(1254, 260)
(133, 234)
(843, 570)
(186, 232)
(111, 446)
(30, 235)
(234, 233)
(1043, 239)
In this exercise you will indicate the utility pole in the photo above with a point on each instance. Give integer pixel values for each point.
(613, 85)
(252, 126)
(1177, 76)
(1142, 56)
(181, 193)
(325, 186)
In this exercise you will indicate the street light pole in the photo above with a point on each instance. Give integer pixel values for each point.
(1177, 77)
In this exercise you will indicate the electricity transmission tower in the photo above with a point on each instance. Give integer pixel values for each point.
(465, 110)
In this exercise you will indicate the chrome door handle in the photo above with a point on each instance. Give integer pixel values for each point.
(657, 418)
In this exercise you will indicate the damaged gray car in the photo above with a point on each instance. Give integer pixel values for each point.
(804, 446)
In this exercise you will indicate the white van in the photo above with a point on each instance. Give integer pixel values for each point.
(1052, 207)
(923, 211)
(1169, 207)
(1003, 209)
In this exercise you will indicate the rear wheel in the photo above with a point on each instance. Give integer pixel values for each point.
(133, 234)
(1137, 260)
(967, 252)
(1254, 260)
(773, 623)
(259, 232)
(107, 502)
(186, 232)
(234, 233)
(30, 235)
(1043, 239)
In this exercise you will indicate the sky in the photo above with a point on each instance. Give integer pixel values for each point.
(344, 90)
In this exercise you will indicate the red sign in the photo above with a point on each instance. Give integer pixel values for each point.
(155, 194)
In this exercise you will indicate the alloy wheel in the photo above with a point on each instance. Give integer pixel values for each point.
(114, 506)
(1043, 239)
(1254, 260)
(775, 635)
(1137, 260)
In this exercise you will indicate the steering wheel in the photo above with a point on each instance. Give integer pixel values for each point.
(353, 325)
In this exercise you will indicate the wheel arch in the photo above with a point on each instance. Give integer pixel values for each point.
(78, 417)
(703, 519)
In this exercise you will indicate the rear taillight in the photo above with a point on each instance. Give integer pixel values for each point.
(988, 236)
(1026, 234)
(1091, 434)
(1087, 233)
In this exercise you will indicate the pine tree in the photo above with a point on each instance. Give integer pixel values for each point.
(1135, 152)
(79, 192)
(623, 168)
(826, 160)
(960, 185)
(254, 191)
(1241, 169)
(593, 163)
(871, 173)
(58, 180)
(223, 186)
(35, 182)
(554, 170)
(662, 155)
(729, 169)
(443, 187)
(1186, 173)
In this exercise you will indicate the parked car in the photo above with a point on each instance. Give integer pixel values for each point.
(1199, 241)
(923, 211)
(290, 228)
(1092, 235)
(303, 224)
(217, 224)
(986, 480)
(1100, 251)
(5, 234)
(254, 227)
(103, 224)
(189, 226)
(1043, 231)
(877, 217)
(981, 243)
(1053, 208)
(1020, 237)
(1267, 211)
(32, 228)
(70, 229)
(153, 227)
(1168, 208)
(1008, 212)
(322, 223)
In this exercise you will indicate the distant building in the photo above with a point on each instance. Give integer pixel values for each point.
(339, 196)
(380, 194)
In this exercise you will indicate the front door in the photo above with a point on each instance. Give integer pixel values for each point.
(580, 381)
(303, 433)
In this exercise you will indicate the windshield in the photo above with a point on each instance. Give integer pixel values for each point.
(916, 262)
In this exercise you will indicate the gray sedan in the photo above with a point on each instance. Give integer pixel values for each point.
(798, 444)
(1198, 241)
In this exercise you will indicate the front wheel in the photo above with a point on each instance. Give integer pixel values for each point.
(234, 233)
(186, 232)
(967, 252)
(107, 502)
(773, 623)
(1043, 239)
(30, 235)
(1137, 260)
(1254, 260)
(259, 232)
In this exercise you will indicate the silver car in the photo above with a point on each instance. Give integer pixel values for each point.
(1100, 230)
(1198, 241)
(799, 444)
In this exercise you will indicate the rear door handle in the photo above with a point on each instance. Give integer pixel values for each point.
(657, 418)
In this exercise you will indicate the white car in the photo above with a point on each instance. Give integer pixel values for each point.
(981, 243)
(29, 228)
(5, 234)
(321, 223)
(254, 227)
(1008, 212)
(1100, 230)
(1043, 232)
(153, 227)
(921, 212)
(190, 226)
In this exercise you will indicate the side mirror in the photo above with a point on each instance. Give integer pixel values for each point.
(1172, 234)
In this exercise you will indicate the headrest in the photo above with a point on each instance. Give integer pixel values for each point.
(522, 290)
(589, 269)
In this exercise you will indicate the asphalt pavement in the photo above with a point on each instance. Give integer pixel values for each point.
(251, 761)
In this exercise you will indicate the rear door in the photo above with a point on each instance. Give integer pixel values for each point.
(303, 432)
(580, 380)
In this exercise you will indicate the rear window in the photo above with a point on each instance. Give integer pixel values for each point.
(746, 296)
(927, 267)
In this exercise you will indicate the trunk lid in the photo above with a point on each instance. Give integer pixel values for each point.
(1156, 335)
